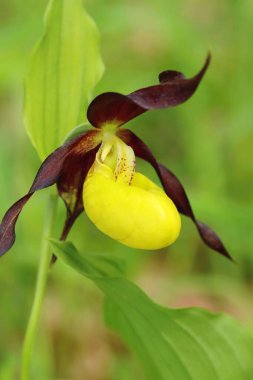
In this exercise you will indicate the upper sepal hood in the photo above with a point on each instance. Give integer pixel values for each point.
(51, 171)
(117, 109)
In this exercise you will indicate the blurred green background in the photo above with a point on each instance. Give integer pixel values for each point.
(207, 142)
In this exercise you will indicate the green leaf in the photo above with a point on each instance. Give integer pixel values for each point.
(64, 68)
(92, 266)
(176, 344)
(182, 344)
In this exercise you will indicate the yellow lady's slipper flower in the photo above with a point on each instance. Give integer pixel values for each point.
(95, 171)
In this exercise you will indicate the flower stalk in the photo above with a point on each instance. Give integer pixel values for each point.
(40, 288)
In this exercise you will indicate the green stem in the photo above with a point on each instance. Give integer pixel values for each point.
(40, 288)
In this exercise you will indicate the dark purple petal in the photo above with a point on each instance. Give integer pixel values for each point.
(172, 92)
(47, 175)
(7, 227)
(117, 109)
(212, 239)
(52, 166)
(175, 190)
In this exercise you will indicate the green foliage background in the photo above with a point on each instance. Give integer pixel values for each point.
(207, 142)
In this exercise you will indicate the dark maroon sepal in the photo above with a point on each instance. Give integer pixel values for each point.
(175, 191)
(173, 90)
(170, 76)
(70, 185)
(117, 109)
(112, 108)
(47, 175)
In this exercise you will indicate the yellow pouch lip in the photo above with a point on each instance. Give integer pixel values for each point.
(135, 216)
(126, 205)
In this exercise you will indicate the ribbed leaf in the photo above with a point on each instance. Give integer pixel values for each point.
(63, 70)
(176, 344)
(181, 344)
(92, 266)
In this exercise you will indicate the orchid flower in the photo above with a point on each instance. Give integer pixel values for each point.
(96, 172)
